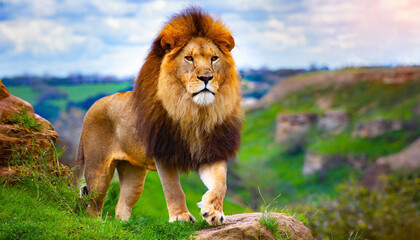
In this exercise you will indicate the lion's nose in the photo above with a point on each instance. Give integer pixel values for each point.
(205, 78)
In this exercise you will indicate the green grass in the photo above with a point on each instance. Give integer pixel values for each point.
(75, 93)
(24, 92)
(25, 216)
(152, 201)
(270, 223)
(368, 100)
(81, 92)
(41, 205)
(24, 120)
(344, 144)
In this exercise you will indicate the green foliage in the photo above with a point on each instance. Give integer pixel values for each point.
(24, 120)
(390, 212)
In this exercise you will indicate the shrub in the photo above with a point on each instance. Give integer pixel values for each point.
(390, 212)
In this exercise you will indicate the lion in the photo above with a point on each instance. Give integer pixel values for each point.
(183, 115)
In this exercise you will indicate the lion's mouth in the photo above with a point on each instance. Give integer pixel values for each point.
(204, 90)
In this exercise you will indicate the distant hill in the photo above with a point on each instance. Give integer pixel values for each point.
(330, 127)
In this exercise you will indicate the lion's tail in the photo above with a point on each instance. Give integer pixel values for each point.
(80, 164)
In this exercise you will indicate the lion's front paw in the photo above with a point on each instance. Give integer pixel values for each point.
(212, 209)
(184, 217)
(213, 217)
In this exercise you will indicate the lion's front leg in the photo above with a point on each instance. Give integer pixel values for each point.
(174, 195)
(214, 177)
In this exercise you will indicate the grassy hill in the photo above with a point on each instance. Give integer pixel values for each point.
(274, 170)
(264, 169)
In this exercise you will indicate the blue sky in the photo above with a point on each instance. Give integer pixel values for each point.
(59, 37)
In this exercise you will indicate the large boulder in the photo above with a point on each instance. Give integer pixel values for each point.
(15, 138)
(247, 226)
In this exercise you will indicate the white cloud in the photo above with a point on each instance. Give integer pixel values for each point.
(113, 36)
(38, 37)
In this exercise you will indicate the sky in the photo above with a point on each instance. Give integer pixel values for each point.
(60, 37)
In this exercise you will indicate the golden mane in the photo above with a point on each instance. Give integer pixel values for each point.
(165, 137)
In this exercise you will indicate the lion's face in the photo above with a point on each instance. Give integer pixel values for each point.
(198, 77)
(199, 68)
(200, 62)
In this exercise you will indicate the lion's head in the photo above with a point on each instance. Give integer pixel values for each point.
(197, 74)
(188, 91)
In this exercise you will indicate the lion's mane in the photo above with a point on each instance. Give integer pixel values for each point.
(163, 136)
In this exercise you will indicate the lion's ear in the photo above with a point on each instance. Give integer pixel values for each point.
(226, 41)
(167, 43)
(230, 43)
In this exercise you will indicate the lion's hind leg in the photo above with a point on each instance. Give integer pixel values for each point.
(132, 184)
(98, 182)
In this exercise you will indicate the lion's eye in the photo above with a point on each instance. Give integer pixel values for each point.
(189, 58)
(214, 58)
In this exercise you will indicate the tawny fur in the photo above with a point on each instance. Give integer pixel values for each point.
(160, 126)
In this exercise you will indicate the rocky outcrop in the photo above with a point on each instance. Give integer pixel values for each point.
(322, 162)
(14, 138)
(293, 124)
(374, 128)
(333, 121)
(405, 161)
(292, 129)
(247, 226)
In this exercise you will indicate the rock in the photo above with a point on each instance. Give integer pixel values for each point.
(10, 104)
(15, 138)
(314, 162)
(374, 128)
(292, 130)
(333, 121)
(324, 102)
(405, 161)
(247, 226)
